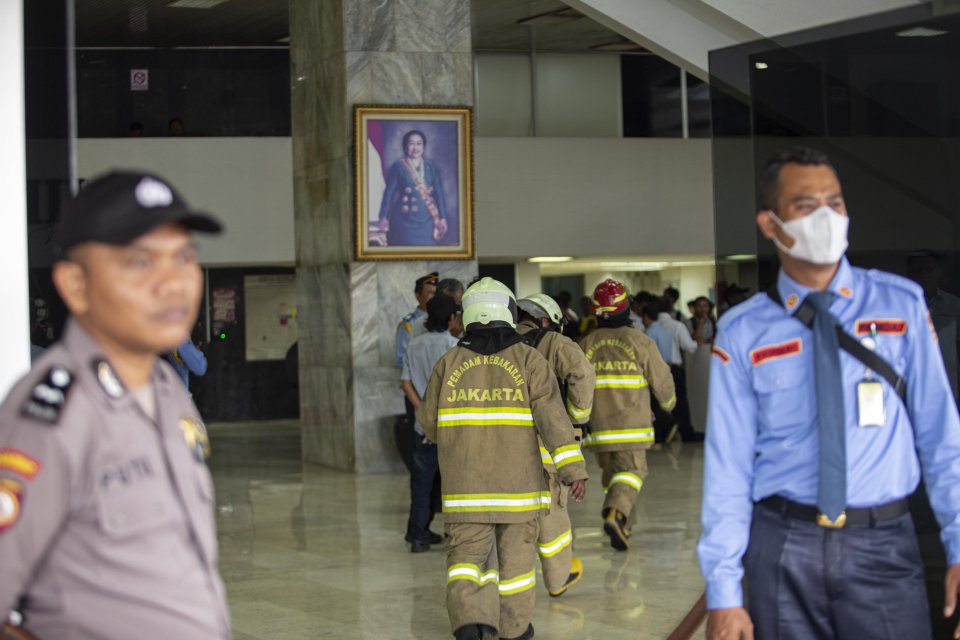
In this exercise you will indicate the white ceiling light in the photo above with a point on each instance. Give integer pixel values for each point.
(761, 65)
(195, 4)
(921, 32)
(741, 257)
(551, 259)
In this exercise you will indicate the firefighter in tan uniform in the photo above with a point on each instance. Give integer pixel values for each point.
(106, 505)
(486, 402)
(627, 364)
(540, 325)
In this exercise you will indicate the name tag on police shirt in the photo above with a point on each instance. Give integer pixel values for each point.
(870, 404)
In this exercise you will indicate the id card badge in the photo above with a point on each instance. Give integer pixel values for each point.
(870, 404)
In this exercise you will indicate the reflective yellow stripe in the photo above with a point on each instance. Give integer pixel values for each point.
(669, 404)
(576, 412)
(565, 455)
(625, 477)
(551, 549)
(471, 572)
(620, 436)
(621, 382)
(518, 584)
(545, 456)
(479, 502)
(485, 417)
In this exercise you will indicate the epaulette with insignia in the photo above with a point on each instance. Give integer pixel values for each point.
(885, 277)
(48, 397)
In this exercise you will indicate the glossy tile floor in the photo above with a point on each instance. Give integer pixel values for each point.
(307, 552)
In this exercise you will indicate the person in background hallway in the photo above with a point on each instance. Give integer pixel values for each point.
(671, 296)
(106, 504)
(924, 268)
(588, 321)
(186, 358)
(681, 341)
(540, 321)
(571, 328)
(442, 332)
(627, 365)
(811, 451)
(175, 128)
(135, 130)
(448, 287)
(665, 426)
(486, 402)
(636, 312)
(701, 323)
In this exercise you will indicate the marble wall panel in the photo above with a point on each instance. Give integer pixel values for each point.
(319, 125)
(433, 26)
(369, 25)
(384, 77)
(365, 311)
(395, 294)
(378, 399)
(327, 426)
(447, 78)
(316, 31)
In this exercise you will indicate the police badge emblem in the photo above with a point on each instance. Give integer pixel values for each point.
(195, 437)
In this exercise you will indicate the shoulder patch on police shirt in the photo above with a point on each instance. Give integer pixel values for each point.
(48, 397)
(11, 503)
(776, 351)
(18, 462)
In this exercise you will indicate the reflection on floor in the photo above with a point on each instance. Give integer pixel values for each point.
(307, 552)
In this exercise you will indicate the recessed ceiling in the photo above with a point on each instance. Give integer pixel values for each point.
(260, 23)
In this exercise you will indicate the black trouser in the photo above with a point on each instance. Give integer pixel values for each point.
(681, 412)
(861, 581)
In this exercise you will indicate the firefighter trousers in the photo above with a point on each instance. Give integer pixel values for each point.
(491, 575)
(555, 542)
(623, 476)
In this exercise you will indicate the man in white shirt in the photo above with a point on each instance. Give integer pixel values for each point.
(443, 328)
(682, 340)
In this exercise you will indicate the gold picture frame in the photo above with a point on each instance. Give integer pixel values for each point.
(413, 171)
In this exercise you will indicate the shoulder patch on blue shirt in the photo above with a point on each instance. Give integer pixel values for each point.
(909, 286)
(755, 301)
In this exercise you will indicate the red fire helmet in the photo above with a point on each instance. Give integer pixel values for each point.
(610, 298)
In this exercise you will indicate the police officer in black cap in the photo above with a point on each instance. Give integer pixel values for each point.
(106, 504)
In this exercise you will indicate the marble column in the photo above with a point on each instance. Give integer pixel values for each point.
(342, 53)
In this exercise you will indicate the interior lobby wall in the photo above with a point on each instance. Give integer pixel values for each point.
(556, 196)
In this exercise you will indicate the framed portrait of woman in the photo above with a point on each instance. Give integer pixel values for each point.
(414, 182)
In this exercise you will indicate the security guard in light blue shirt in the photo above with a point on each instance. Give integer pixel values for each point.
(818, 518)
(424, 289)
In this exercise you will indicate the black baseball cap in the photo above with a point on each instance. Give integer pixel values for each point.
(119, 207)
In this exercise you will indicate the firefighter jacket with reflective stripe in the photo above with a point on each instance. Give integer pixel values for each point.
(569, 365)
(485, 413)
(627, 364)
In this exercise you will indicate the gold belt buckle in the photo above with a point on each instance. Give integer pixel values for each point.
(826, 522)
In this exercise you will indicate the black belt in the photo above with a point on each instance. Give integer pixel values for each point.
(850, 516)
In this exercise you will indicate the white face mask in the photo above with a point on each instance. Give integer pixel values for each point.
(819, 237)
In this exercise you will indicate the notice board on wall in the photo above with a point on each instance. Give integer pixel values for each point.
(270, 310)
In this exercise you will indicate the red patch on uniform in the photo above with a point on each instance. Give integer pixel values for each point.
(885, 326)
(11, 499)
(720, 353)
(19, 463)
(775, 351)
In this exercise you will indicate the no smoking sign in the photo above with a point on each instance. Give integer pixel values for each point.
(139, 80)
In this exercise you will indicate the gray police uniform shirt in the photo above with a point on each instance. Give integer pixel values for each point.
(106, 517)
(421, 356)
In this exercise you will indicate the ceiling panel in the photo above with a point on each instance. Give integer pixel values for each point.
(253, 23)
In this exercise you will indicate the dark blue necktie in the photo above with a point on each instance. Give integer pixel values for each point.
(832, 488)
